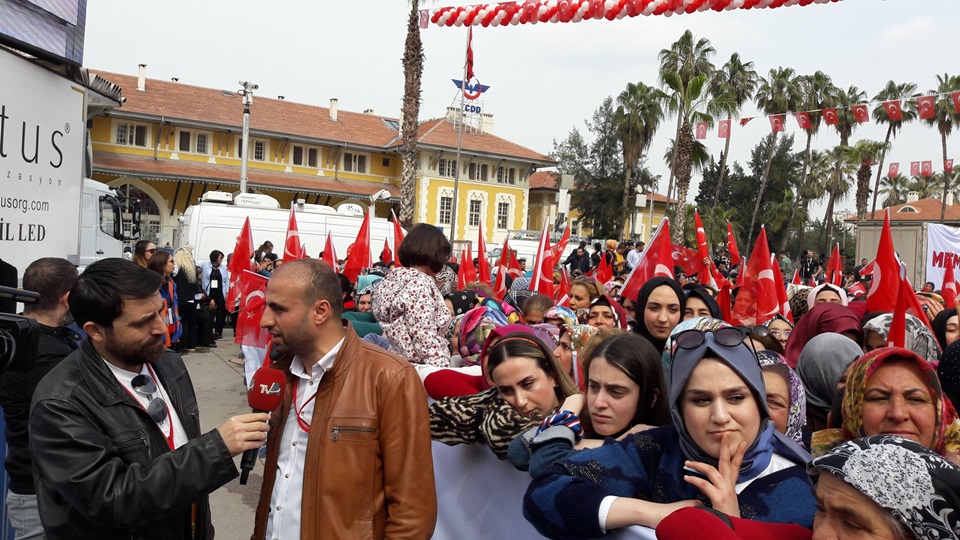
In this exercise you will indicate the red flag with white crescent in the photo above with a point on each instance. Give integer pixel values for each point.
(776, 123)
(757, 301)
(397, 239)
(655, 260)
(470, 73)
(542, 281)
(893, 110)
(723, 129)
(467, 273)
(242, 253)
(359, 256)
(948, 166)
(700, 131)
(253, 287)
(702, 250)
(744, 121)
(926, 168)
(956, 101)
(914, 168)
(885, 271)
(927, 107)
(561, 246)
(860, 113)
(508, 265)
(830, 116)
(796, 278)
(949, 288)
(894, 170)
(803, 119)
(386, 255)
(732, 246)
(292, 248)
(834, 274)
(563, 293)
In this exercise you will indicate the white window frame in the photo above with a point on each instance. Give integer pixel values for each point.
(506, 216)
(305, 156)
(447, 168)
(471, 222)
(196, 142)
(445, 193)
(501, 175)
(355, 159)
(264, 153)
(131, 128)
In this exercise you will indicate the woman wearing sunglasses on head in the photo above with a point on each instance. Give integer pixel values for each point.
(721, 450)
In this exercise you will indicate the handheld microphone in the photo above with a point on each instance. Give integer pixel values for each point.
(265, 395)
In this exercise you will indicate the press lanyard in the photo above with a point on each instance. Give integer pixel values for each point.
(304, 425)
(169, 435)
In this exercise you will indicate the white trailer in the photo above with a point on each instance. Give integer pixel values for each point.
(216, 221)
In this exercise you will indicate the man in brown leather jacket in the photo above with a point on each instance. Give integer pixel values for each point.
(349, 454)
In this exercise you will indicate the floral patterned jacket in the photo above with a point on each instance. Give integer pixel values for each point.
(414, 318)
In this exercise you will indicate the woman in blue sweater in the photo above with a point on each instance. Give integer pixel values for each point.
(722, 450)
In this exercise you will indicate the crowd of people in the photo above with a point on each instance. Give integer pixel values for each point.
(647, 411)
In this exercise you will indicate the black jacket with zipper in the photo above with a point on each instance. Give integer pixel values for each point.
(102, 467)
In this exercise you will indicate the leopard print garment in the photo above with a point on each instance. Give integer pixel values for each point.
(479, 417)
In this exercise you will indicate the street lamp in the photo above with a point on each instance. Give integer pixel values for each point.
(381, 195)
(247, 93)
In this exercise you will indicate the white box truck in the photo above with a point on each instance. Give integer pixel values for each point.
(216, 221)
(47, 207)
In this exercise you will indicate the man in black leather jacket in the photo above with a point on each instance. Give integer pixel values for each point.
(51, 278)
(115, 427)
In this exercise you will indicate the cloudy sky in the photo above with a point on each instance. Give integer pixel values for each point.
(545, 79)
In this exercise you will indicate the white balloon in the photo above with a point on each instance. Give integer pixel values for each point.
(577, 17)
(607, 6)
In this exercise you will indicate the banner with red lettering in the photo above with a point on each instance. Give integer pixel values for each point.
(943, 248)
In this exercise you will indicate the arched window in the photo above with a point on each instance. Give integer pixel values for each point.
(150, 218)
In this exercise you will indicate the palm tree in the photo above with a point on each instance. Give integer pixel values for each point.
(895, 188)
(732, 85)
(846, 124)
(892, 92)
(410, 114)
(778, 93)
(639, 113)
(837, 185)
(864, 153)
(684, 69)
(945, 119)
(817, 91)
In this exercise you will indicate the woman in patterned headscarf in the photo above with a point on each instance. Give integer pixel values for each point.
(894, 391)
(918, 338)
(786, 397)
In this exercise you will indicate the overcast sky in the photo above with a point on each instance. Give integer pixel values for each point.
(545, 79)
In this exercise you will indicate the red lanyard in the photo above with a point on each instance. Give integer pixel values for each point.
(304, 425)
(169, 435)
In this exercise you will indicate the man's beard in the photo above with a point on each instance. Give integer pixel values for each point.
(133, 354)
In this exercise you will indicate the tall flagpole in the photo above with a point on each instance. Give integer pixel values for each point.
(456, 178)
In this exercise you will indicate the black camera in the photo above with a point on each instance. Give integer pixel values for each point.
(19, 336)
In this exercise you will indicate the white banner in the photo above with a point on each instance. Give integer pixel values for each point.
(943, 248)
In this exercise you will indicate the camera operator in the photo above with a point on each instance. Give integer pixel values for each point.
(51, 278)
(115, 427)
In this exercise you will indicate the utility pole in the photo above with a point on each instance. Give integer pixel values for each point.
(247, 93)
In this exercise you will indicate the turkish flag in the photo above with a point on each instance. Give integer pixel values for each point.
(926, 168)
(704, 271)
(656, 260)
(893, 110)
(557, 250)
(702, 249)
(242, 253)
(508, 265)
(857, 290)
(542, 281)
(885, 271)
(776, 123)
(796, 277)
(861, 113)
(948, 166)
(483, 265)
(781, 289)
(470, 73)
(949, 288)
(330, 253)
(743, 121)
(701, 130)
(467, 273)
(723, 300)
(927, 107)
(897, 335)
(685, 258)
(830, 116)
(564, 292)
(386, 255)
(732, 246)
(956, 101)
(253, 287)
(894, 170)
(604, 272)
(359, 256)
(914, 168)
(397, 239)
(834, 268)
(803, 119)
(723, 131)
(757, 302)
(292, 249)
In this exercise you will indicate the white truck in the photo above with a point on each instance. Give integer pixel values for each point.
(216, 221)
(47, 206)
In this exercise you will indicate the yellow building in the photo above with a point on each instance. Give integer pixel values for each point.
(171, 142)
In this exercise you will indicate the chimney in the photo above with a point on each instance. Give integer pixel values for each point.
(333, 109)
(368, 111)
(175, 79)
(913, 196)
(142, 78)
(281, 98)
(949, 198)
(453, 114)
(486, 123)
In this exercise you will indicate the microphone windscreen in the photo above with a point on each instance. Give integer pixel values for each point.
(266, 389)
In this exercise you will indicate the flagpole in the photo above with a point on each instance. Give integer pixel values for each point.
(456, 178)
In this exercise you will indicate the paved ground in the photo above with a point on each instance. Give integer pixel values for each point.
(220, 390)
